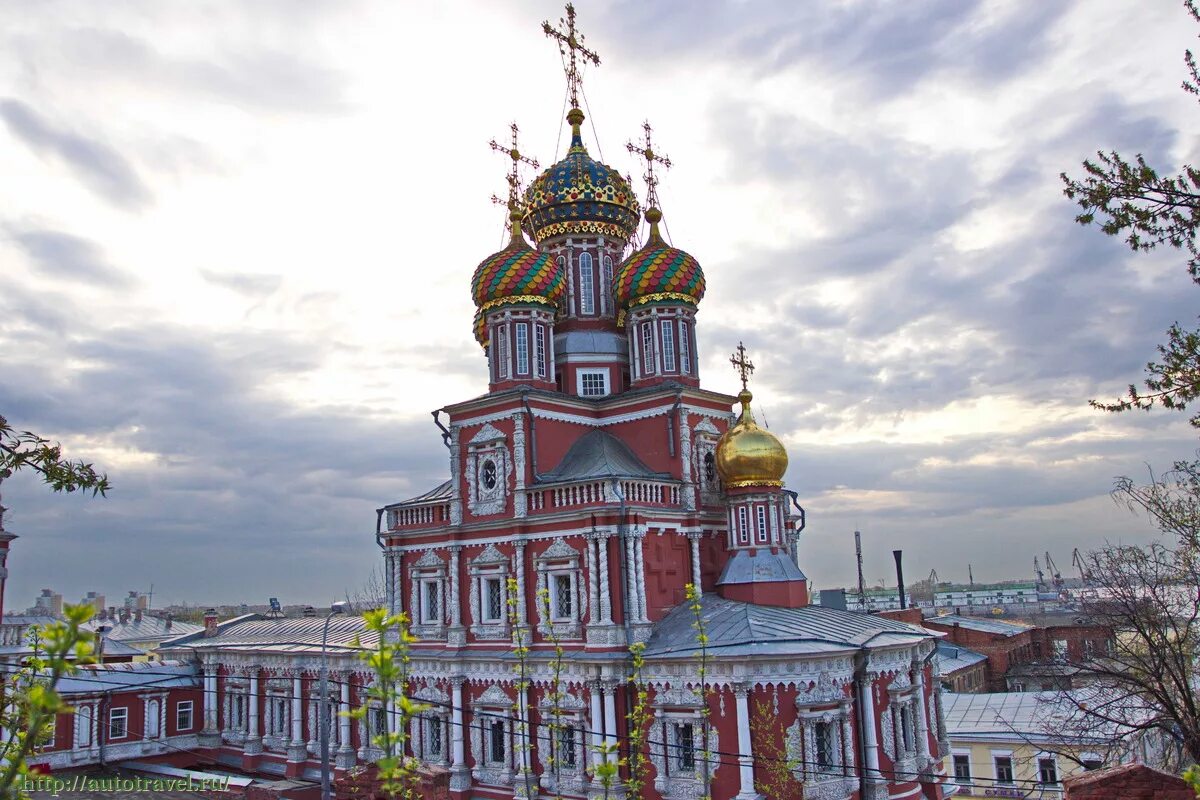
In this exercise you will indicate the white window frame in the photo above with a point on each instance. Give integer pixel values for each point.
(491, 721)
(1053, 765)
(539, 348)
(969, 779)
(760, 519)
(521, 334)
(85, 717)
(587, 285)
(601, 373)
(121, 714)
(428, 618)
(667, 331)
(555, 580)
(181, 707)
(485, 596)
(743, 518)
(1012, 767)
(501, 352)
(648, 348)
(685, 350)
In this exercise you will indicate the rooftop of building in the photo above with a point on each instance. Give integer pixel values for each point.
(258, 632)
(953, 657)
(982, 624)
(1020, 717)
(739, 629)
(133, 629)
(97, 678)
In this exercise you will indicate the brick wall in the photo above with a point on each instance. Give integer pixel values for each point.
(1128, 782)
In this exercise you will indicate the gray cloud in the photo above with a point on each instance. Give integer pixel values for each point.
(254, 285)
(61, 255)
(97, 165)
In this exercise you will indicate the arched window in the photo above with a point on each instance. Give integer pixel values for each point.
(587, 288)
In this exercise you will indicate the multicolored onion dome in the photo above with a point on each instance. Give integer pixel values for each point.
(580, 195)
(658, 272)
(516, 274)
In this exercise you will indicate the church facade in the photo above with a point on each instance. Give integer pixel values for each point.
(592, 484)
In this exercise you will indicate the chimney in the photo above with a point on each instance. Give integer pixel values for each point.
(210, 623)
(112, 613)
(168, 618)
(137, 615)
(899, 554)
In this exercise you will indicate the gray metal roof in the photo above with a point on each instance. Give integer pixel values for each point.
(135, 630)
(760, 566)
(599, 454)
(735, 628)
(283, 634)
(136, 675)
(983, 624)
(953, 657)
(443, 491)
(1016, 716)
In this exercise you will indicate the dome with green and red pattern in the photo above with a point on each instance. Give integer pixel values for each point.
(658, 273)
(516, 274)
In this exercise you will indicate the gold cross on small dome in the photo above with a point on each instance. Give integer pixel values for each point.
(570, 43)
(646, 151)
(514, 177)
(743, 365)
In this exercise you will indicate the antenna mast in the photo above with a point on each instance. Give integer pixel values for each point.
(862, 587)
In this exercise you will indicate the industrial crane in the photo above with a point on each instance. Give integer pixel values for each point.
(1041, 576)
(1054, 573)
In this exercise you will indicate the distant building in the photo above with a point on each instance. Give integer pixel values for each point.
(49, 603)
(962, 669)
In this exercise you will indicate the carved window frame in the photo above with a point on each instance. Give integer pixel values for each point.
(429, 570)
(558, 560)
(488, 564)
(488, 444)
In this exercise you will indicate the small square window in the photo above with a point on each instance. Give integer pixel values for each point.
(1004, 769)
(183, 715)
(593, 383)
(118, 723)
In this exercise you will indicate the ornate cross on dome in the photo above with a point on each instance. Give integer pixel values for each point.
(646, 151)
(514, 178)
(743, 365)
(570, 43)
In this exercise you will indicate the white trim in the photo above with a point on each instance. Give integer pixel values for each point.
(521, 348)
(603, 373)
(581, 419)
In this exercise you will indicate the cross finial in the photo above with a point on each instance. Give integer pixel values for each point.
(646, 151)
(570, 47)
(514, 177)
(743, 365)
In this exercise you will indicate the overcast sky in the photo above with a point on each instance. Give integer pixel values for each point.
(236, 240)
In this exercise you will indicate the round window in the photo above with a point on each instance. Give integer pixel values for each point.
(488, 474)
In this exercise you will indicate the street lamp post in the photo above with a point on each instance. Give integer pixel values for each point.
(336, 608)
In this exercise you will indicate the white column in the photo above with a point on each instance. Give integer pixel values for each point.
(455, 602)
(694, 542)
(610, 718)
(632, 614)
(297, 713)
(458, 760)
(922, 725)
(596, 724)
(741, 693)
(343, 720)
(210, 698)
(389, 578)
(605, 593)
(252, 730)
(269, 726)
(593, 569)
(866, 710)
(640, 576)
(228, 712)
(519, 568)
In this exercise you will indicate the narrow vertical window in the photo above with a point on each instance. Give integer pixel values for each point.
(606, 284)
(502, 351)
(521, 330)
(496, 730)
(539, 348)
(668, 340)
(743, 525)
(587, 286)
(647, 348)
(685, 350)
(563, 300)
(762, 524)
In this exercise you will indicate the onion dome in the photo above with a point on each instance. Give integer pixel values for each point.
(516, 274)
(658, 272)
(748, 455)
(580, 195)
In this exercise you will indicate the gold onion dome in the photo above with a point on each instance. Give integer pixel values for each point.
(516, 274)
(658, 272)
(748, 455)
(580, 195)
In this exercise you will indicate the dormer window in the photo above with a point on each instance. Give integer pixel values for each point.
(593, 382)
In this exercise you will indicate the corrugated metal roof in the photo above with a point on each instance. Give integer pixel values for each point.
(759, 566)
(745, 628)
(443, 491)
(284, 634)
(983, 624)
(147, 627)
(1031, 716)
(953, 658)
(599, 454)
(136, 675)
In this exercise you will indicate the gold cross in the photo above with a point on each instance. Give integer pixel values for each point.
(743, 365)
(646, 151)
(514, 178)
(570, 42)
